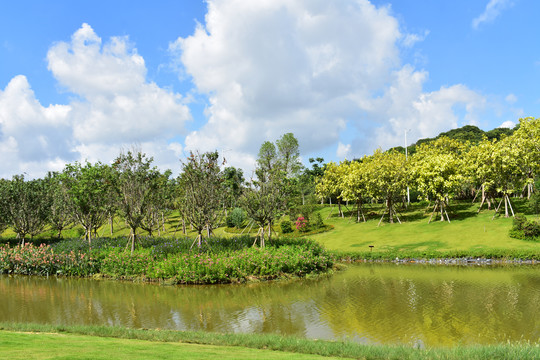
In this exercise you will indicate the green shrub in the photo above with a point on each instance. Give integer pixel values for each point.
(236, 218)
(525, 230)
(286, 227)
(318, 223)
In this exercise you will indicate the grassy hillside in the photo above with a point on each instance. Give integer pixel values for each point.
(468, 230)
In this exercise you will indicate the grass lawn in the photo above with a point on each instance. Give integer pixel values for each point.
(33, 341)
(466, 231)
(16, 345)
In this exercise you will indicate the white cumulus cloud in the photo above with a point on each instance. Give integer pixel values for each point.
(114, 108)
(314, 68)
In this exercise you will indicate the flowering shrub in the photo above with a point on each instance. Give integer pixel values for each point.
(301, 224)
(231, 260)
(29, 259)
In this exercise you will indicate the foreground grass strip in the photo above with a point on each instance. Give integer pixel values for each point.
(15, 345)
(268, 342)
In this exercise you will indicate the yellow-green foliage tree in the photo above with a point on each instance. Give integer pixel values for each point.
(386, 177)
(437, 169)
(527, 138)
(354, 184)
(331, 184)
(479, 169)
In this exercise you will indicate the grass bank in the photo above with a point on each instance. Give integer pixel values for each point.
(23, 341)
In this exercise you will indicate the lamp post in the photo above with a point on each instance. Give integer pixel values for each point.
(406, 160)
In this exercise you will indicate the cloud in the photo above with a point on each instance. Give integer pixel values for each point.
(314, 68)
(343, 151)
(117, 105)
(410, 39)
(492, 11)
(510, 98)
(508, 124)
(31, 136)
(113, 107)
(270, 67)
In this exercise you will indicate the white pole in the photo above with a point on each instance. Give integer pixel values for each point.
(406, 159)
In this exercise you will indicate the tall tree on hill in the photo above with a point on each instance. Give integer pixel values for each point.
(331, 184)
(89, 188)
(355, 184)
(28, 206)
(437, 169)
(387, 175)
(4, 220)
(137, 188)
(202, 191)
(60, 216)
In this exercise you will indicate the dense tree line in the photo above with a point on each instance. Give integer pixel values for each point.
(440, 170)
(206, 192)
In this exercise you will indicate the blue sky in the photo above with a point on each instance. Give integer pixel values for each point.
(83, 80)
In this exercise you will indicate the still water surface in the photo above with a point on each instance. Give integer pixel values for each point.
(368, 303)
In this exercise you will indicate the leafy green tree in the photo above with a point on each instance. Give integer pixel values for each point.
(60, 216)
(28, 206)
(387, 176)
(264, 202)
(437, 169)
(354, 184)
(137, 187)
(480, 171)
(331, 184)
(527, 140)
(163, 203)
(4, 220)
(89, 188)
(233, 180)
(201, 183)
(289, 155)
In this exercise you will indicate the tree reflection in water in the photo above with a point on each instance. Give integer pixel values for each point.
(376, 303)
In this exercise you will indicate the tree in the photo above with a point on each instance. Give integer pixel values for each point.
(233, 180)
(527, 140)
(331, 184)
(27, 207)
(263, 201)
(387, 176)
(161, 204)
(437, 169)
(60, 216)
(137, 186)
(4, 220)
(89, 188)
(202, 191)
(354, 184)
(288, 155)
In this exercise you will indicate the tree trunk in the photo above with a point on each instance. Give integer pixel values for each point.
(506, 205)
(340, 212)
(390, 215)
(111, 220)
(183, 226)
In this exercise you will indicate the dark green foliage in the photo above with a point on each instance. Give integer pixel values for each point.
(524, 229)
(465, 133)
(236, 218)
(534, 202)
(318, 222)
(286, 227)
(26, 205)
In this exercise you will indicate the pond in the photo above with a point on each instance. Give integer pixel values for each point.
(369, 303)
